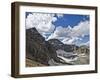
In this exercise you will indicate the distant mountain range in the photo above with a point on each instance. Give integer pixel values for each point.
(57, 44)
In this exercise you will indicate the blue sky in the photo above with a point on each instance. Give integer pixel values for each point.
(73, 20)
(70, 19)
(58, 27)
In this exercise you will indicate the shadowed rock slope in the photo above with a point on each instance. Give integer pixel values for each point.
(38, 49)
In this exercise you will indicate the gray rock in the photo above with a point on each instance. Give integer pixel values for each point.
(57, 44)
(38, 49)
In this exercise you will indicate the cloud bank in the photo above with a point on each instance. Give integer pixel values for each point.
(43, 22)
(70, 35)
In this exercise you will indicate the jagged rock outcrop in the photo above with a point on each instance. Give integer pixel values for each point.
(57, 44)
(38, 49)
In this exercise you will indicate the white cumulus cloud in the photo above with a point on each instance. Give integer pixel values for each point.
(70, 35)
(59, 15)
(60, 32)
(70, 40)
(42, 22)
(81, 29)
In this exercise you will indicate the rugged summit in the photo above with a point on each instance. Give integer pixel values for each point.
(57, 44)
(38, 49)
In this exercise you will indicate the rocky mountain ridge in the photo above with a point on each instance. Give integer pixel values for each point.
(38, 49)
(45, 52)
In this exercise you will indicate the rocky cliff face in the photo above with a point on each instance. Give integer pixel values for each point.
(38, 49)
(59, 45)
